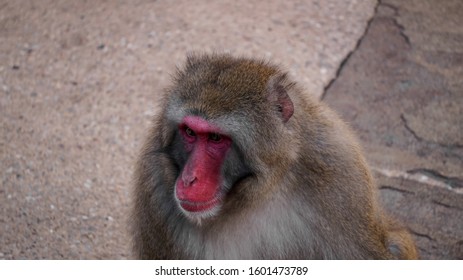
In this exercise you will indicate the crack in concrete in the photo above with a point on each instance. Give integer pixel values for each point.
(357, 45)
(359, 41)
(421, 139)
(396, 22)
(390, 6)
(421, 235)
(384, 187)
(453, 182)
(402, 31)
(430, 177)
(417, 177)
(446, 205)
(409, 129)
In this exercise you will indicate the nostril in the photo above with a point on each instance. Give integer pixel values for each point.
(189, 180)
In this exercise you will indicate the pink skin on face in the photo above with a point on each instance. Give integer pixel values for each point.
(199, 183)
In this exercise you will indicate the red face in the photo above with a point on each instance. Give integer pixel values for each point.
(198, 188)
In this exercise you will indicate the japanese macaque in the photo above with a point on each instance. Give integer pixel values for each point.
(241, 164)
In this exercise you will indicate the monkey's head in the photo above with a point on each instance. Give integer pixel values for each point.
(231, 122)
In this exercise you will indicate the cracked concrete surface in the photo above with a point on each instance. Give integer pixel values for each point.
(402, 91)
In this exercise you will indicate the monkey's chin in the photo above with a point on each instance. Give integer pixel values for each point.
(197, 212)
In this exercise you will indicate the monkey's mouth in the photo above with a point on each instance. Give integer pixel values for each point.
(199, 206)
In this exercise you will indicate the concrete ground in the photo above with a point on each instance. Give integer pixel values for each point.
(402, 90)
(80, 80)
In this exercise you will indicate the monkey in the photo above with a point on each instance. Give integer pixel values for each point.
(240, 163)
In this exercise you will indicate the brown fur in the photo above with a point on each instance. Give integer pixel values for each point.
(310, 196)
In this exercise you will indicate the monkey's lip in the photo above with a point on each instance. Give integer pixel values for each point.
(195, 206)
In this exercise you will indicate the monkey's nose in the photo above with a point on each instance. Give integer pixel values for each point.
(189, 180)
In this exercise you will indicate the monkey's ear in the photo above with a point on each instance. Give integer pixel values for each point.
(278, 95)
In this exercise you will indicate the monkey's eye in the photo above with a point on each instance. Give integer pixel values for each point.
(189, 132)
(215, 137)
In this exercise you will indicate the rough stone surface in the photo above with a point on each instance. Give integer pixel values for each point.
(79, 82)
(433, 214)
(402, 91)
